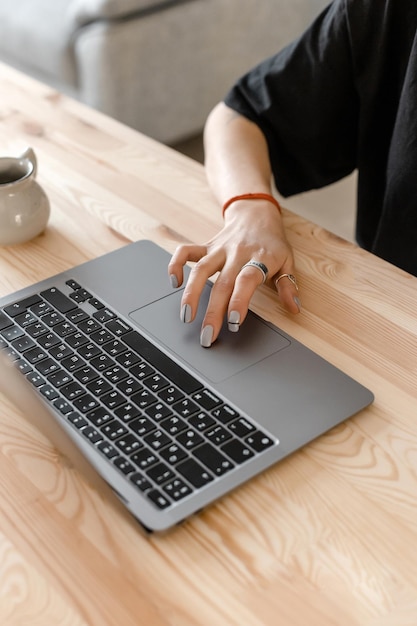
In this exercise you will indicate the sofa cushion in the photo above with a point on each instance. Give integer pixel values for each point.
(85, 11)
(36, 35)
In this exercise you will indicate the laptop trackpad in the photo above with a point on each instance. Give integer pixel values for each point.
(230, 354)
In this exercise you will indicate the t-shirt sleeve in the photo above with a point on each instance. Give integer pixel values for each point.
(305, 101)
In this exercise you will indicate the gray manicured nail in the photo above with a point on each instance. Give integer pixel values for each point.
(174, 281)
(297, 302)
(186, 313)
(206, 336)
(234, 321)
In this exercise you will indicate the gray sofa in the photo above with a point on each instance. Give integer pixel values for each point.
(157, 65)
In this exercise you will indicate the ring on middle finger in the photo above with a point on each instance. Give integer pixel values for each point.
(259, 266)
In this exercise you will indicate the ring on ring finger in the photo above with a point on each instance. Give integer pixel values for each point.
(290, 277)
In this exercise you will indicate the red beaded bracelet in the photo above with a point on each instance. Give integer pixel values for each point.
(252, 196)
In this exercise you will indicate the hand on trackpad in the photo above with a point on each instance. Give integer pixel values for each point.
(230, 354)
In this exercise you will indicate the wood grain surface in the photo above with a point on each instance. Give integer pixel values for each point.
(326, 537)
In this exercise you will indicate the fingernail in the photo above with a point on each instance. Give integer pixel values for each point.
(206, 336)
(298, 303)
(234, 321)
(185, 313)
(174, 281)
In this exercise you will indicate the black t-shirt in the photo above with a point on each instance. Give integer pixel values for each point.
(344, 96)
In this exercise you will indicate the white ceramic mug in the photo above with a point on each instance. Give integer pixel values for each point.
(24, 206)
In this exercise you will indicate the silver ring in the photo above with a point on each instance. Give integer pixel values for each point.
(290, 277)
(259, 266)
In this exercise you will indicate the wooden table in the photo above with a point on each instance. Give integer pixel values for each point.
(326, 537)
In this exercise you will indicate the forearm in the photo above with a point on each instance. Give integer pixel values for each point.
(236, 155)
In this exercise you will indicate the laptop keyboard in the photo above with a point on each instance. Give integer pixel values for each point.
(158, 425)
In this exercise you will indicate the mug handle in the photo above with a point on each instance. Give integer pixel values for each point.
(30, 156)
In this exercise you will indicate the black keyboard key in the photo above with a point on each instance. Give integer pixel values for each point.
(49, 340)
(218, 435)
(158, 411)
(140, 481)
(58, 300)
(157, 439)
(161, 362)
(102, 362)
(73, 284)
(238, 451)
(206, 399)
(142, 370)
(77, 315)
(189, 439)
(118, 327)
(4, 321)
(60, 351)
(89, 325)
(48, 392)
(259, 441)
(127, 358)
(173, 454)
(89, 351)
(114, 347)
(47, 366)
(103, 315)
(213, 459)
(85, 375)
(62, 406)
(92, 434)
(20, 307)
(186, 407)
(101, 337)
(160, 473)
(85, 403)
(99, 416)
(156, 382)
(170, 394)
(24, 319)
(143, 398)
(73, 362)
(36, 379)
(108, 450)
(127, 412)
(112, 399)
(201, 421)
(113, 430)
(129, 386)
(59, 378)
(194, 473)
(225, 414)
(144, 458)
(35, 330)
(35, 355)
(12, 332)
(142, 425)
(158, 499)
(174, 425)
(23, 343)
(124, 465)
(99, 386)
(128, 444)
(77, 420)
(72, 390)
(65, 329)
(75, 340)
(177, 489)
(241, 427)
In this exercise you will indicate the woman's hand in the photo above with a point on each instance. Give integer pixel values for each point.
(253, 230)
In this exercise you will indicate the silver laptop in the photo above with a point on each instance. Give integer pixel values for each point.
(170, 426)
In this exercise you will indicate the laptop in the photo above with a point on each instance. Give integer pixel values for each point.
(170, 426)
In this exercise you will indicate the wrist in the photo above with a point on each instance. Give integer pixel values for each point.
(259, 196)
